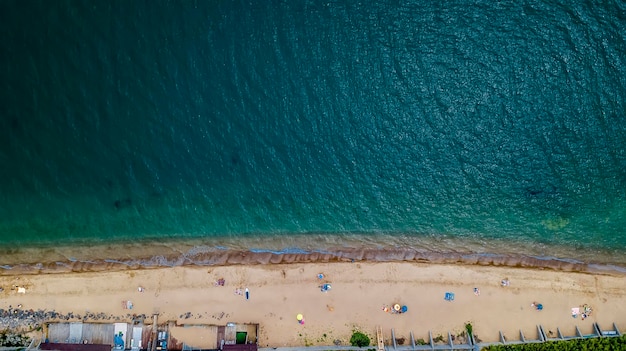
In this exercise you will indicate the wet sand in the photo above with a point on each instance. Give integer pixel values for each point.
(116, 256)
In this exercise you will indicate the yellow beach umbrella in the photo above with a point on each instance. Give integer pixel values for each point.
(299, 317)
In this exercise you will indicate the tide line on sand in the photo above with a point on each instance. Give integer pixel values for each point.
(224, 257)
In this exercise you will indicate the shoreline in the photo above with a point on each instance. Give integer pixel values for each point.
(182, 253)
(179, 277)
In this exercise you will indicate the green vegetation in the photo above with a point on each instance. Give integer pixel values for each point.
(9, 339)
(305, 339)
(593, 344)
(323, 338)
(470, 331)
(359, 339)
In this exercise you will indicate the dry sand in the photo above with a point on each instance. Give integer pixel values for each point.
(360, 291)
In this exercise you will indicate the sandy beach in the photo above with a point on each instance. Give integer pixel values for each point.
(361, 297)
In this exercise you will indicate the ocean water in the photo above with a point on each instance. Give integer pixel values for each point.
(300, 125)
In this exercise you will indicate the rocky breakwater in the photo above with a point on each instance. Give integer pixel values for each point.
(21, 320)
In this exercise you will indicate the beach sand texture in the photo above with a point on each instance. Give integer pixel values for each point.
(357, 300)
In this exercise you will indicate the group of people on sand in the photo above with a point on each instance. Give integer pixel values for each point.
(586, 311)
(238, 291)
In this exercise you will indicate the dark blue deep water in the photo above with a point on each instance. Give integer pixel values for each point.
(178, 119)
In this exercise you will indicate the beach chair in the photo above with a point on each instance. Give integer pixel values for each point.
(449, 296)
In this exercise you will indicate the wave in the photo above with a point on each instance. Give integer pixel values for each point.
(160, 254)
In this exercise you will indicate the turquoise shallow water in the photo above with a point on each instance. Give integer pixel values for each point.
(178, 120)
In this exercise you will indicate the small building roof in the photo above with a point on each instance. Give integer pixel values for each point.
(240, 347)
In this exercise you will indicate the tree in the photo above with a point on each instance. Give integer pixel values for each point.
(359, 339)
